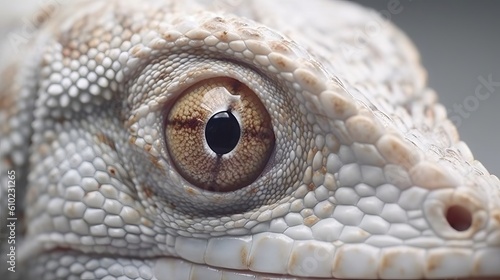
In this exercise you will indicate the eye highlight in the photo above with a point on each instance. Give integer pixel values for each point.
(219, 135)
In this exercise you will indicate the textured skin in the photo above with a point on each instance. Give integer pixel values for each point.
(365, 165)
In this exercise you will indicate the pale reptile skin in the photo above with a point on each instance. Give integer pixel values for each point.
(364, 168)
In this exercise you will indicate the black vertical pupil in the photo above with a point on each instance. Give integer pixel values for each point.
(222, 132)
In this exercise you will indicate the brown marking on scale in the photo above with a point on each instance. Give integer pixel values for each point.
(496, 216)
(327, 207)
(148, 147)
(339, 105)
(292, 262)
(169, 204)
(147, 222)
(131, 120)
(97, 32)
(430, 114)
(156, 162)
(191, 191)
(137, 51)
(107, 37)
(218, 198)
(311, 220)
(363, 233)
(169, 36)
(463, 199)
(71, 211)
(337, 260)
(99, 58)
(434, 261)
(387, 261)
(104, 139)
(311, 187)
(147, 190)
(308, 79)
(312, 153)
(279, 46)
(281, 62)
(43, 149)
(314, 150)
(215, 24)
(161, 77)
(323, 170)
(405, 158)
(132, 129)
(222, 36)
(254, 190)
(250, 33)
(132, 140)
(112, 171)
(94, 42)
(250, 261)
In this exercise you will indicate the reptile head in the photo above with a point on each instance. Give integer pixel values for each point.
(172, 142)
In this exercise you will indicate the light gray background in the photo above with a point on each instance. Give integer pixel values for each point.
(458, 41)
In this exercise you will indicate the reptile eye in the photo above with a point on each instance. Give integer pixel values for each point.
(219, 135)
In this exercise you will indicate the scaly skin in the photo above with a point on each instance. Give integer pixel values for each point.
(364, 169)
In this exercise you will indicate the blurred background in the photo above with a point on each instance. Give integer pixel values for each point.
(459, 41)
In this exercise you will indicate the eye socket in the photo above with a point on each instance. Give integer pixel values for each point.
(219, 135)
